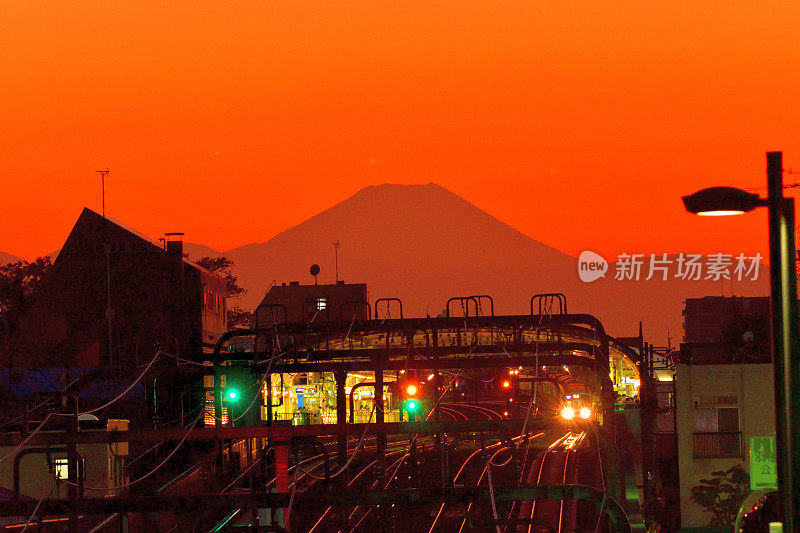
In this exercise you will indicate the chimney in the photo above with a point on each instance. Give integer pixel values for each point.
(294, 283)
(174, 244)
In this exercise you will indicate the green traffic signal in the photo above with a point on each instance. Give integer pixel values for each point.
(411, 405)
(233, 394)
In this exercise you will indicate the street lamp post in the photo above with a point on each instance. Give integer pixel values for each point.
(783, 297)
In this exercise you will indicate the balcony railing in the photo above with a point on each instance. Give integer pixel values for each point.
(717, 444)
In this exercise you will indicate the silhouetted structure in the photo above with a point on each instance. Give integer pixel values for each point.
(115, 297)
(720, 329)
(295, 303)
(724, 390)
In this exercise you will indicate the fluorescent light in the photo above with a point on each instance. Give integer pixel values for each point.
(721, 213)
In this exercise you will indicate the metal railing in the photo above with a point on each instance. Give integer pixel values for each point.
(714, 444)
(301, 418)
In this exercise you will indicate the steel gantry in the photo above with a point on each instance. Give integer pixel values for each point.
(379, 345)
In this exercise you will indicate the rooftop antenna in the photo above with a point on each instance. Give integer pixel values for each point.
(103, 174)
(336, 245)
(314, 271)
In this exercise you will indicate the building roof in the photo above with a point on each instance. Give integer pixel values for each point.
(157, 246)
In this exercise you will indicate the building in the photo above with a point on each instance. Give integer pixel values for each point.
(724, 392)
(295, 303)
(311, 394)
(720, 408)
(114, 298)
(113, 302)
(37, 469)
(720, 329)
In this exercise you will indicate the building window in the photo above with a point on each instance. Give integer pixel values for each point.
(322, 304)
(717, 432)
(61, 467)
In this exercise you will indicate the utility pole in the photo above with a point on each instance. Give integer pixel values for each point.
(109, 309)
(103, 174)
(785, 347)
(336, 245)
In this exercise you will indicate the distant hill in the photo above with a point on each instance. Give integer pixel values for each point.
(6, 258)
(196, 251)
(424, 244)
(420, 243)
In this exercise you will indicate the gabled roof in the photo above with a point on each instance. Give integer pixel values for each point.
(93, 217)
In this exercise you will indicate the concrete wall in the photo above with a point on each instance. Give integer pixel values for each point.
(35, 477)
(752, 384)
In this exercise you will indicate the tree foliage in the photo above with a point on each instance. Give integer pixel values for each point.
(723, 494)
(17, 282)
(222, 266)
(238, 317)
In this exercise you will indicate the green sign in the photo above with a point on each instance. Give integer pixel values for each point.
(763, 463)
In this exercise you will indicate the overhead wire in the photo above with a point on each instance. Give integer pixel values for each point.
(151, 472)
(123, 393)
(45, 402)
(400, 461)
(353, 456)
(291, 498)
(491, 494)
(35, 509)
(101, 525)
(271, 360)
(26, 439)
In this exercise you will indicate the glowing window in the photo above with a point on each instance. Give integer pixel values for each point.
(61, 467)
(322, 304)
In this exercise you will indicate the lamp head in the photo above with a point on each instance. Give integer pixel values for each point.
(721, 201)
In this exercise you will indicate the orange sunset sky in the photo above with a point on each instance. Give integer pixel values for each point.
(580, 123)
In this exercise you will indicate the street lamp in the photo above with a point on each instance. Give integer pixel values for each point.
(783, 295)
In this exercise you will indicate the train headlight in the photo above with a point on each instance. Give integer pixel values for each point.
(585, 412)
(568, 413)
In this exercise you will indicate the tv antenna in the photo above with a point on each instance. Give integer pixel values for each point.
(314, 272)
(336, 245)
(103, 174)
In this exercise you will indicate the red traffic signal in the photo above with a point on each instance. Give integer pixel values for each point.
(410, 389)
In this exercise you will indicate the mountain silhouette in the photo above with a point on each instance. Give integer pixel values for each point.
(424, 244)
(420, 243)
(6, 258)
(196, 251)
